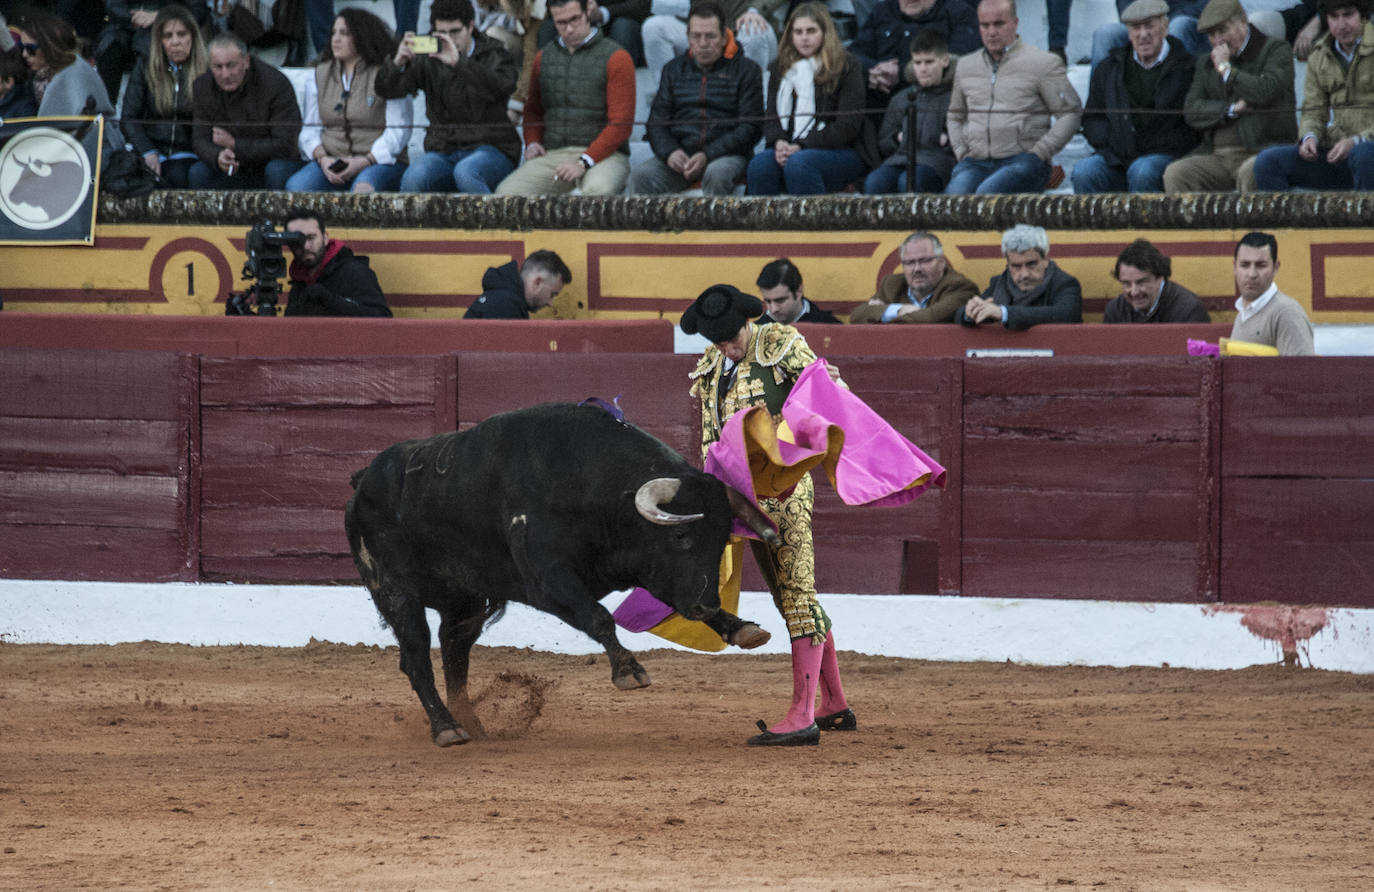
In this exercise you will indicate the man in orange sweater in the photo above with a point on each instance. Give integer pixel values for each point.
(579, 113)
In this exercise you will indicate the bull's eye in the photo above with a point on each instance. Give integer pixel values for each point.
(681, 539)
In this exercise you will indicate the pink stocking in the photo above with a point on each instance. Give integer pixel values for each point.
(806, 670)
(832, 692)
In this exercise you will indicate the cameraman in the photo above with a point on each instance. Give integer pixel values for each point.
(327, 279)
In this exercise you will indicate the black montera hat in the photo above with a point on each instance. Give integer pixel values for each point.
(720, 312)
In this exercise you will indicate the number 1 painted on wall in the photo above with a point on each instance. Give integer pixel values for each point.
(190, 279)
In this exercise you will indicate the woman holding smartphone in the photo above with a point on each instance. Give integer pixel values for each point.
(356, 139)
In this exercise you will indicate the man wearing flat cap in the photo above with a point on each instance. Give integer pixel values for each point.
(756, 365)
(1134, 114)
(1241, 102)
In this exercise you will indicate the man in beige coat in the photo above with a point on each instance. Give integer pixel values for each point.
(926, 290)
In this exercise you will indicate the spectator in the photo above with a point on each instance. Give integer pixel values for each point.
(246, 122)
(63, 83)
(1241, 101)
(327, 278)
(1299, 23)
(126, 38)
(357, 144)
(884, 40)
(665, 31)
(1182, 16)
(16, 97)
(1264, 314)
(816, 136)
(1134, 119)
(784, 299)
(517, 24)
(622, 20)
(1147, 293)
(1337, 111)
(157, 101)
(921, 110)
(704, 120)
(509, 292)
(1032, 291)
(926, 290)
(1003, 137)
(580, 112)
(470, 146)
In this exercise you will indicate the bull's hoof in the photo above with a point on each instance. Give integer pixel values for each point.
(749, 636)
(451, 737)
(628, 681)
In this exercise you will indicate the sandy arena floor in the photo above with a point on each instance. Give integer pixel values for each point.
(155, 766)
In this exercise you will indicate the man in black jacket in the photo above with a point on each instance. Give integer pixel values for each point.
(780, 286)
(704, 120)
(509, 292)
(1147, 292)
(1134, 114)
(327, 278)
(1033, 290)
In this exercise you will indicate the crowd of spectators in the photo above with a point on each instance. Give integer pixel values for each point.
(535, 97)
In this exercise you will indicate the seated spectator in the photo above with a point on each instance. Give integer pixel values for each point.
(1264, 314)
(665, 31)
(327, 278)
(580, 112)
(926, 290)
(127, 36)
(816, 135)
(1002, 136)
(1241, 102)
(16, 97)
(1032, 291)
(1147, 293)
(1337, 123)
(1182, 17)
(63, 83)
(357, 143)
(470, 146)
(784, 298)
(509, 292)
(704, 121)
(884, 40)
(622, 20)
(245, 122)
(1134, 119)
(517, 24)
(157, 101)
(919, 109)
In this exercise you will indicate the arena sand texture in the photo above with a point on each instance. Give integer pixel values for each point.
(158, 766)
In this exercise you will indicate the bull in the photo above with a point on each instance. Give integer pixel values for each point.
(52, 188)
(553, 506)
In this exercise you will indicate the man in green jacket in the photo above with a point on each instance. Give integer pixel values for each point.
(1241, 102)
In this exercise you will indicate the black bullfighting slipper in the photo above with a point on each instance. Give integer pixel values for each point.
(838, 721)
(808, 736)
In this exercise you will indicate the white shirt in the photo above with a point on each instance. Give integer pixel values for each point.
(1246, 312)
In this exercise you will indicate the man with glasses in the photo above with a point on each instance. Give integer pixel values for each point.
(579, 113)
(926, 290)
(471, 145)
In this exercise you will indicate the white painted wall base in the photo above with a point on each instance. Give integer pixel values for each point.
(1041, 632)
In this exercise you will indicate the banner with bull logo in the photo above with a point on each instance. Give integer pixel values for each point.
(49, 177)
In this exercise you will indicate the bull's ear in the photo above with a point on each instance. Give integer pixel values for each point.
(744, 508)
(660, 491)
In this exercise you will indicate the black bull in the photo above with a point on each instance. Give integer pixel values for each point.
(554, 506)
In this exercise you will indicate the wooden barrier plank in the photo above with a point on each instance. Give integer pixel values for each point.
(349, 381)
(119, 445)
(1118, 376)
(84, 384)
(1015, 514)
(1108, 571)
(94, 554)
(1099, 466)
(89, 499)
(1117, 419)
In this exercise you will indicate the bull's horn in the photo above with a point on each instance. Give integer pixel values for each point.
(754, 518)
(659, 491)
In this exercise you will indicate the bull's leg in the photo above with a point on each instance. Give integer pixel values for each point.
(739, 632)
(562, 594)
(457, 634)
(412, 633)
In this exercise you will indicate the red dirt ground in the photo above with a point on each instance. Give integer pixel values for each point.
(154, 766)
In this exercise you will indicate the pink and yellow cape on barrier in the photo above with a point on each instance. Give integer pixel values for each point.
(865, 459)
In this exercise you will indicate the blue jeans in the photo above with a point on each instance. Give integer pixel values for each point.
(1094, 174)
(273, 176)
(808, 172)
(890, 179)
(382, 178)
(1280, 168)
(475, 171)
(1024, 172)
(1182, 27)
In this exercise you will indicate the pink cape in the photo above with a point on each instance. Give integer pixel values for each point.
(865, 459)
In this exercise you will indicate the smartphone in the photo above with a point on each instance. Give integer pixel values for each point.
(424, 45)
(339, 165)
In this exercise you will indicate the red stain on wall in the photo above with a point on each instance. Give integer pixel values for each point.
(1291, 627)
